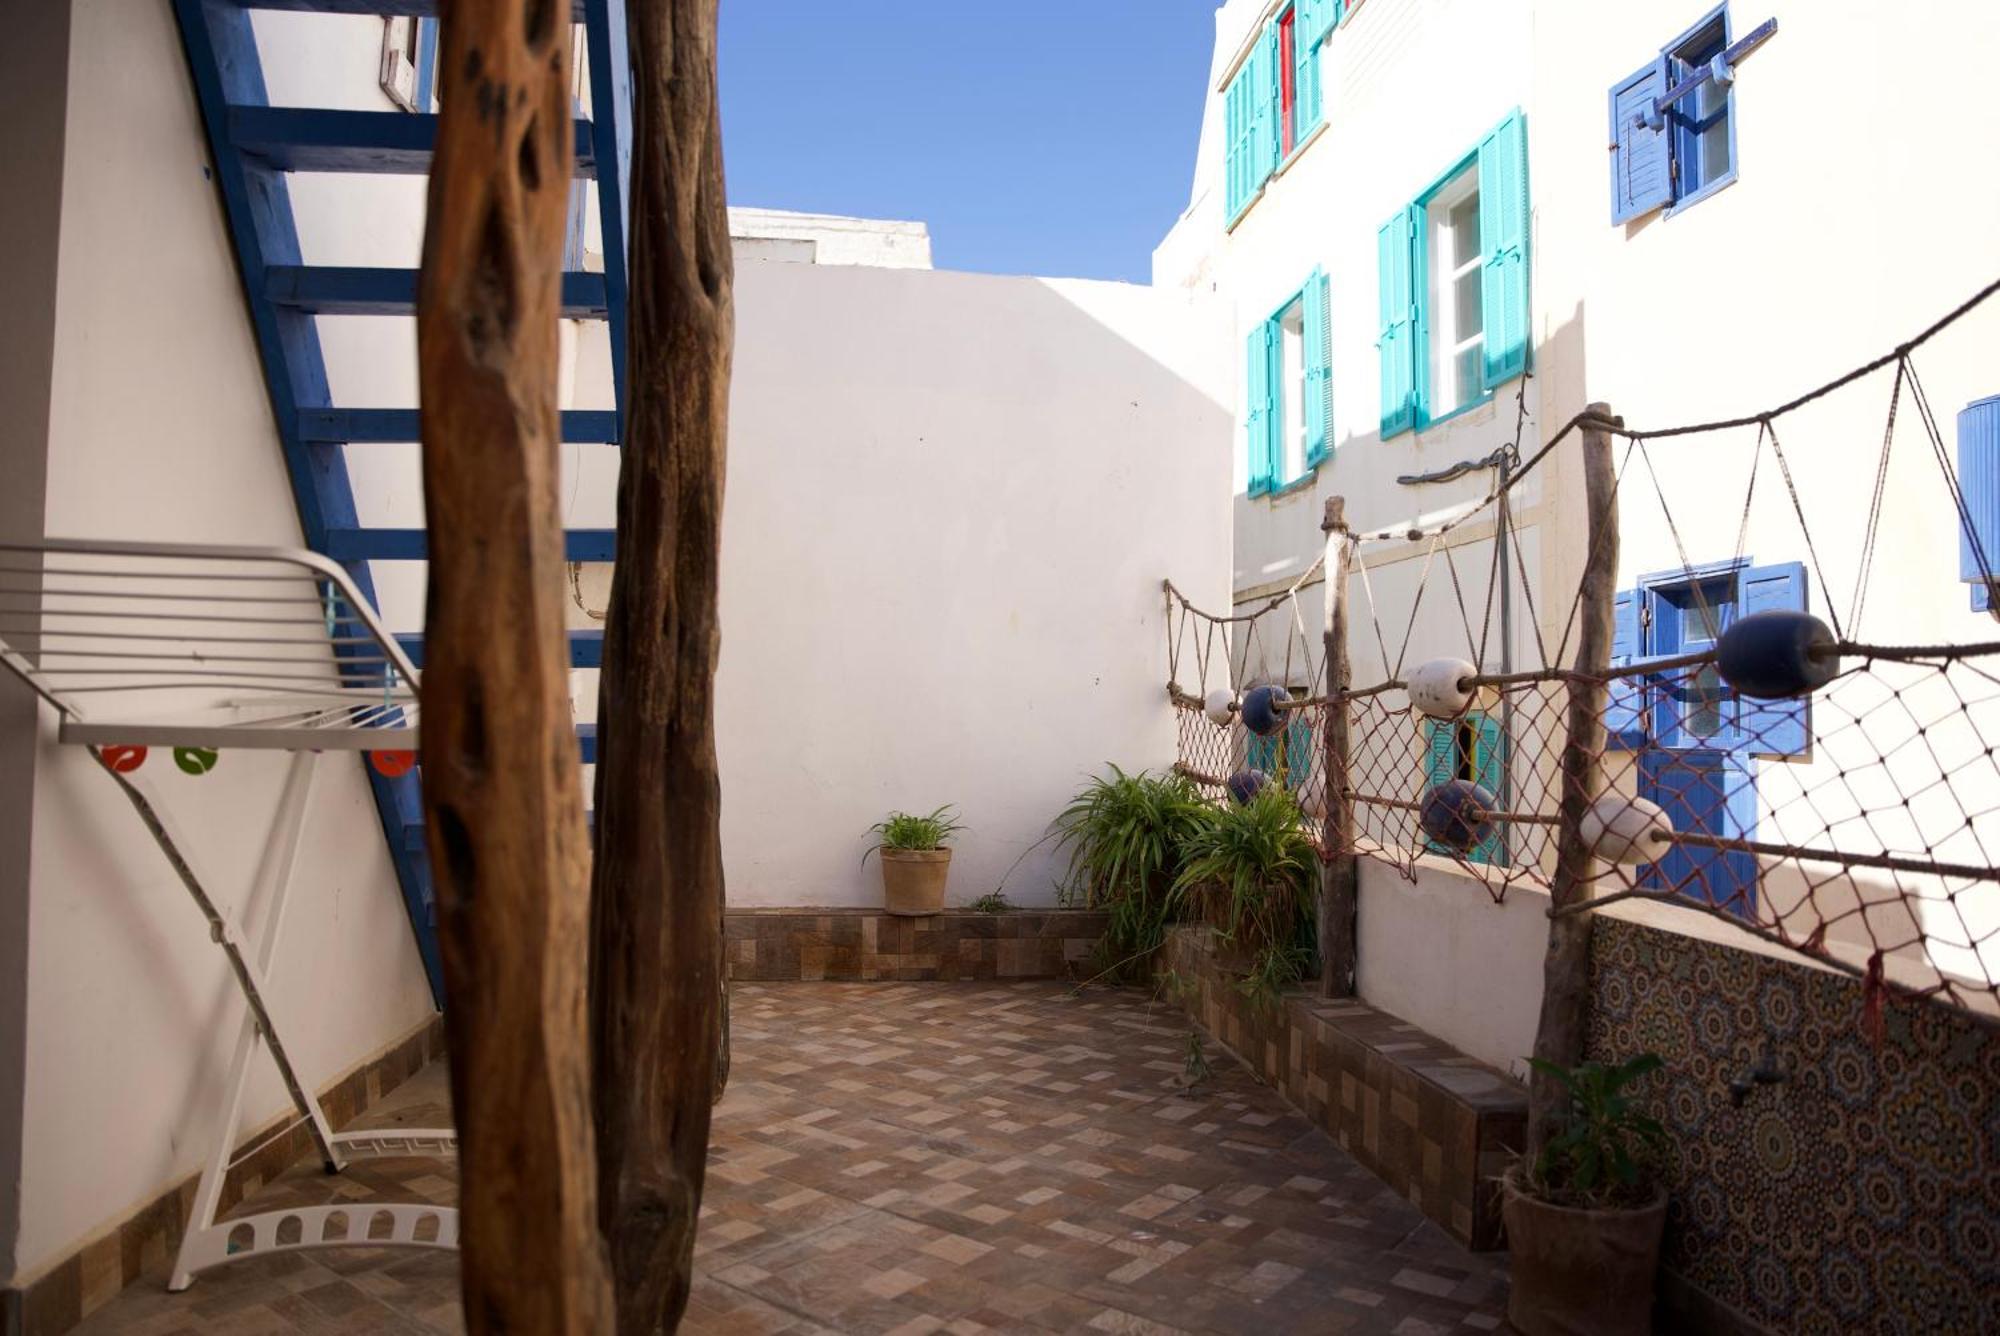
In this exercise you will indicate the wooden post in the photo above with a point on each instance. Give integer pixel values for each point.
(1340, 873)
(656, 964)
(1559, 1036)
(503, 798)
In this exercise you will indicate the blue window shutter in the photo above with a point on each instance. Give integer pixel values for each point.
(1642, 168)
(1490, 761)
(1316, 19)
(427, 59)
(1625, 703)
(1298, 749)
(1261, 753)
(1258, 400)
(1319, 370)
(1398, 342)
(1707, 793)
(1503, 231)
(1305, 73)
(1773, 727)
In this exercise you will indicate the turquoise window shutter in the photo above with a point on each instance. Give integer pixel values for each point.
(1305, 74)
(1315, 21)
(1238, 124)
(1319, 370)
(1261, 754)
(1489, 772)
(1264, 70)
(1503, 229)
(1298, 750)
(1398, 343)
(1440, 765)
(1263, 477)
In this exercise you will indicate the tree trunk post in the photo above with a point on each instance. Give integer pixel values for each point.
(1340, 872)
(1565, 1016)
(657, 976)
(502, 790)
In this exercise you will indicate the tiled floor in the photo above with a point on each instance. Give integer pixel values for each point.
(950, 1157)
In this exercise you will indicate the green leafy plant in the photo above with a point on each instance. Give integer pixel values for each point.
(1252, 875)
(918, 833)
(1126, 835)
(990, 903)
(1605, 1151)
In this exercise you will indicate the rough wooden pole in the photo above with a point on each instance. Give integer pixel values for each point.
(1565, 1018)
(656, 962)
(503, 798)
(1340, 877)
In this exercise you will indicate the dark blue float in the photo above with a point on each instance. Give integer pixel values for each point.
(1247, 784)
(1260, 711)
(1455, 814)
(1777, 655)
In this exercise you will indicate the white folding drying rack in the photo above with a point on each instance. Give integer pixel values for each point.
(220, 648)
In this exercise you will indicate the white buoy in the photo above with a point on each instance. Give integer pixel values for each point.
(1220, 707)
(1618, 829)
(1437, 688)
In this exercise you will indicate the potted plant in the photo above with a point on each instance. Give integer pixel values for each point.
(1584, 1217)
(915, 861)
(1126, 835)
(1250, 873)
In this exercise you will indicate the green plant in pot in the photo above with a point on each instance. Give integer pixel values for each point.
(1126, 834)
(915, 861)
(1251, 874)
(1584, 1217)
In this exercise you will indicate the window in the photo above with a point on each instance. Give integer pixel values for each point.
(1458, 332)
(409, 62)
(1690, 708)
(1454, 285)
(1470, 748)
(1673, 121)
(1273, 103)
(1289, 404)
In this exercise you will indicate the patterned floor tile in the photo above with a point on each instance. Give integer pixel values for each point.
(943, 1158)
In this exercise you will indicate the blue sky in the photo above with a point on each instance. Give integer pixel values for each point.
(1033, 136)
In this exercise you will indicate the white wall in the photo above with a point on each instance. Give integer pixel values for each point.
(951, 501)
(159, 428)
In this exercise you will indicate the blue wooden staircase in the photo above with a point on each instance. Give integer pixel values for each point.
(254, 146)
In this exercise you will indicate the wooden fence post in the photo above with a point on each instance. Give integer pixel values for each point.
(1340, 873)
(657, 974)
(503, 797)
(1565, 1016)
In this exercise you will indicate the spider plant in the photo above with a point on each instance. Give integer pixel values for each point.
(1126, 835)
(1250, 873)
(904, 831)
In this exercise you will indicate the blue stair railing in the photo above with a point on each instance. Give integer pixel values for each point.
(254, 145)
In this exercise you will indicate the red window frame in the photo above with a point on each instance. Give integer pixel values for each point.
(1287, 75)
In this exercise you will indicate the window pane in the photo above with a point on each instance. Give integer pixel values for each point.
(1464, 224)
(1466, 373)
(1465, 305)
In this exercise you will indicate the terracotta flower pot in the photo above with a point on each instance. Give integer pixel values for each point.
(1578, 1271)
(913, 880)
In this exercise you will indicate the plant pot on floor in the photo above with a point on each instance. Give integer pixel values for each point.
(913, 880)
(1580, 1271)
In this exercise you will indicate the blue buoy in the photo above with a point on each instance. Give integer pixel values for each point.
(1777, 655)
(1247, 784)
(1454, 814)
(1260, 711)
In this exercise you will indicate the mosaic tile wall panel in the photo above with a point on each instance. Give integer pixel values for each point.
(1435, 1125)
(855, 945)
(1862, 1194)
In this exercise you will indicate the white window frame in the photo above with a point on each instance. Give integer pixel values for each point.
(1446, 341)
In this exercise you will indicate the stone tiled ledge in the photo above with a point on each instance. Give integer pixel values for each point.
(852, 945)
(1437, 1126)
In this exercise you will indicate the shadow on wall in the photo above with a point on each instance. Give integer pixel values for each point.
(951, 501)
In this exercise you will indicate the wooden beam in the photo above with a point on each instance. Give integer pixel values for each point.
(502, 788)
(1340, 874)
(657, 1002)
(1565, 1016)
